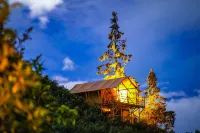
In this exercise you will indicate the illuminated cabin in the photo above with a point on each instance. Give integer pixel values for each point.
(115, 97)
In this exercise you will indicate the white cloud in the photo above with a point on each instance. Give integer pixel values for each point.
(39, 7)
(60, 78)
(65, 82)
(68, 64)
(43, 21)
(187, 113)
(173, 94)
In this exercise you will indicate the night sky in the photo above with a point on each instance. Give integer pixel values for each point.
(161, 34)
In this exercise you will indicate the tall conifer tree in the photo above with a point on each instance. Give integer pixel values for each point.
(115, 55)
(155, 109)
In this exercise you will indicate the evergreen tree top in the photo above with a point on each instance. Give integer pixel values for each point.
(151, 79)
(115, 55)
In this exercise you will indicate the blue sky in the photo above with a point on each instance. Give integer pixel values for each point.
(161, 34)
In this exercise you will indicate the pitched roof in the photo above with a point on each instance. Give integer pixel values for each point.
(98, 85)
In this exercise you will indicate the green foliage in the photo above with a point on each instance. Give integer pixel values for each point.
(90, 119)
(37, 66)
(65, 115)
(18, 113)
(26, 102)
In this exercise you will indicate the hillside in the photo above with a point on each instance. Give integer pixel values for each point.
(90, 119)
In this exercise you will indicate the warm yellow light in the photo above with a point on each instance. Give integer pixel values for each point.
(105, 109)
(123, 96)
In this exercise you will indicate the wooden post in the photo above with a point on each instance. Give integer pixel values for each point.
(139, 114)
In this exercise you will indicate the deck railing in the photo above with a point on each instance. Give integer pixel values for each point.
(137, 101)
